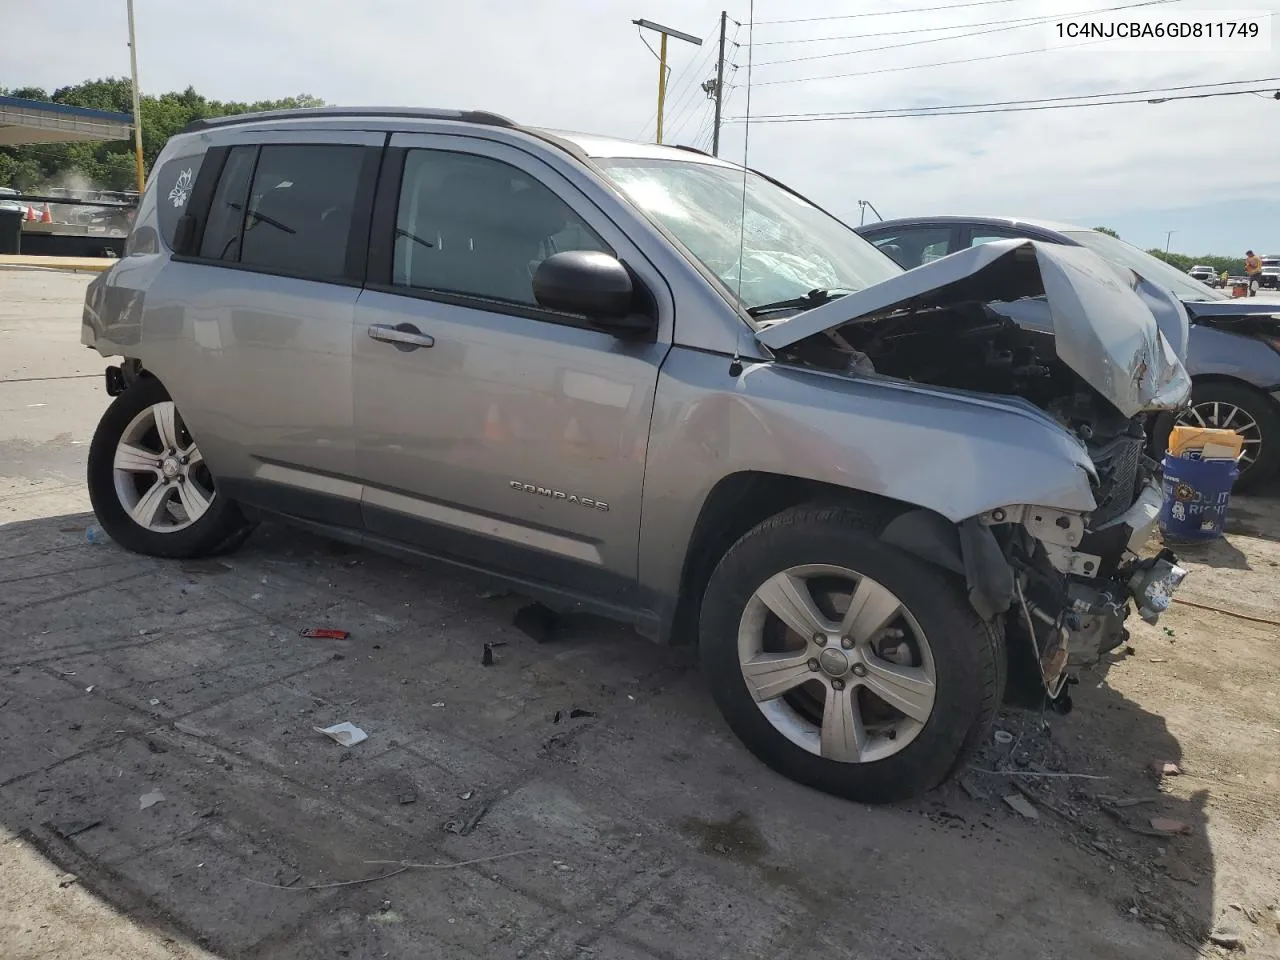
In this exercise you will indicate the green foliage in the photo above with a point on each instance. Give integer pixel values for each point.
(1108, 231)
(1233, 265)
(110, 166)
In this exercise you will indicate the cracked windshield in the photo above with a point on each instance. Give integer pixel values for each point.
(789, 246)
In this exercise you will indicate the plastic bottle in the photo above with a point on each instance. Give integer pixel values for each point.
(94, 534)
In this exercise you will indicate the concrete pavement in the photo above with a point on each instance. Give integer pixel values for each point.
(513, 827)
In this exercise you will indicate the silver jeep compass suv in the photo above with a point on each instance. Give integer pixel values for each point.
(648, 383)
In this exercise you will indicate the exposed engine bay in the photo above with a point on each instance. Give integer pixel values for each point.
(1060, 582)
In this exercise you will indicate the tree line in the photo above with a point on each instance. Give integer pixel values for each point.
(108, 165)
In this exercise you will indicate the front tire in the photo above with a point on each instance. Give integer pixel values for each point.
(150, 487)
(1232, 406)
(844, 663)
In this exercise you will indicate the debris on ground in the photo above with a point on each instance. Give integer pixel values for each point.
(537, 621)
(1168, 826)
(496, 593)
(1228, 937)
(71, 828)
(346, 733)
(66, 879)
(438, 703)
(465, 824)
(486, 658)
(1022, 805)
(323, 633)
(148, 800)
(409, 796)
(190, 729)
(1002, 736)
(95, 535)
(575, 713)
(1166, 768)
(973, 790)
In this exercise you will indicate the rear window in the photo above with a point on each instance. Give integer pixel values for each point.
(285, 208)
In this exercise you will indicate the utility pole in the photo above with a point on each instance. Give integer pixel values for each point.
(1168, 235)
(662, 60)
(715, 133)
(137, 106)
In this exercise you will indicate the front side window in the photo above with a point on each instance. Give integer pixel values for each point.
(479, 227)
(788, 248)
(912, 248)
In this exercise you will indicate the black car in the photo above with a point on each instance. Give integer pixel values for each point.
(1233, 352)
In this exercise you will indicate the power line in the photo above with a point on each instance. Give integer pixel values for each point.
(1006, 103)
(888, 13)
(683, 105)
(922, 66)
(900, 33)
(1028, 22)
(964, 110)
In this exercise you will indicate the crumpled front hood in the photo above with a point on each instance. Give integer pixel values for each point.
(1122, 335)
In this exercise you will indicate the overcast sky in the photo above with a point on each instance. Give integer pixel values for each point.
(1209, 169)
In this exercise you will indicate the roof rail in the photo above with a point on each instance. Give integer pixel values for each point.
(369, 113)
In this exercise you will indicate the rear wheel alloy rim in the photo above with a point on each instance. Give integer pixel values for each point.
(159, 473)
(1221, 415)
(836, 663)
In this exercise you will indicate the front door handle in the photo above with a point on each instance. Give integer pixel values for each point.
(405, 336)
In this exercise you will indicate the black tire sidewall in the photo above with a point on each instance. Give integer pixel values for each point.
(963, 651)
(221, 523)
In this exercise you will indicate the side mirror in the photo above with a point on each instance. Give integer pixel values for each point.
(595, 285)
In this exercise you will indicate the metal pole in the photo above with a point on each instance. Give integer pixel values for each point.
(662, 60)
(715, 133)
(1168, 235)
(137, 106)
(662, 82)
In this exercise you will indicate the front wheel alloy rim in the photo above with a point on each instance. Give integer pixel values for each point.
(1221, 415)
(836, 663)
(159, 473)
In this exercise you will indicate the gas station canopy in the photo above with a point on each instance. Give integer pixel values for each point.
(35, 121)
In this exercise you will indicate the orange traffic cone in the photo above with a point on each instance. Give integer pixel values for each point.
(47, 215)
(31, 213)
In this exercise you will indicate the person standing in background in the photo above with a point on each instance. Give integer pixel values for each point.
(1252, 269)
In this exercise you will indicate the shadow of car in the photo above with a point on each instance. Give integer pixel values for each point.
(1233, 351)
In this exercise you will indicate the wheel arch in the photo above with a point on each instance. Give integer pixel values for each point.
(740, 501)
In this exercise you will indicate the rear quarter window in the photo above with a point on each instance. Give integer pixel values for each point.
(174, 182)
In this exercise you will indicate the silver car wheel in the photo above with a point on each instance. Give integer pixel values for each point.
(836, 663)
(1227, 416)
(160, 475)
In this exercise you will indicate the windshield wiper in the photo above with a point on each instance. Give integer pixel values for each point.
(814, 298)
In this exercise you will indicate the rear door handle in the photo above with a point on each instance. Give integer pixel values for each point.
(405, 336)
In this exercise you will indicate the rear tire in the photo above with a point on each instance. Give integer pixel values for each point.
(148, 483)
(942, 690)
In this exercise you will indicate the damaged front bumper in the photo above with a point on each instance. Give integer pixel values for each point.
(1070, 604)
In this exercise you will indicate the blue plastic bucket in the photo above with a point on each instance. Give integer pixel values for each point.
(1196, 495)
